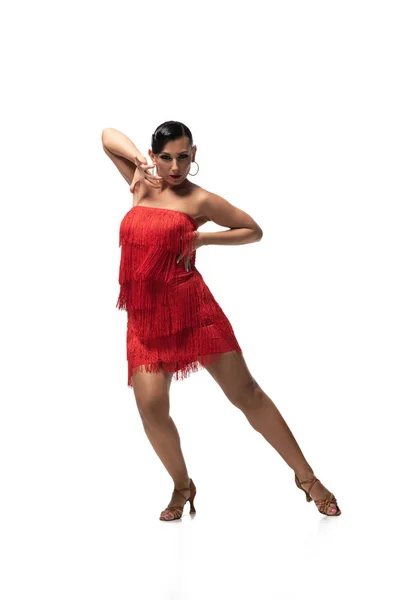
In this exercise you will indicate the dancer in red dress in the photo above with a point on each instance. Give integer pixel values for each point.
(175, 325)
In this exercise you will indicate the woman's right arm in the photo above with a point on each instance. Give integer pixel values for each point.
(122, 152)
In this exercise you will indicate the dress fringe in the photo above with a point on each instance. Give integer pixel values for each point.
(174, 322)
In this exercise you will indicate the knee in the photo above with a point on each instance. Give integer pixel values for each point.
(153, 409)
(248, 396)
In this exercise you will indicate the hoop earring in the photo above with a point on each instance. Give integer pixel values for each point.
(198, 168)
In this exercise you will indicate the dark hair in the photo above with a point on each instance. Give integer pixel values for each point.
(167, 132)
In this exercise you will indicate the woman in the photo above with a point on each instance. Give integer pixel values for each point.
(175, 325)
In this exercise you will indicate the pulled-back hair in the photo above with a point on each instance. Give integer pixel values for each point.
(167, 132)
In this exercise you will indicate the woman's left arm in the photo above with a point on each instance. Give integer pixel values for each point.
(243, 229)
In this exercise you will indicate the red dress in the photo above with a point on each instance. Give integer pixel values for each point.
(174, 322)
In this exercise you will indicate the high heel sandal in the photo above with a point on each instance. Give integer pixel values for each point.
(176, 511)
(324, 504)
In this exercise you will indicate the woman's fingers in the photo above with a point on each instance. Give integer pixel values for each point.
(188, 264)
(153, 185)
(147, 167)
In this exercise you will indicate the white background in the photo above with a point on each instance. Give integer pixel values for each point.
(294, 108)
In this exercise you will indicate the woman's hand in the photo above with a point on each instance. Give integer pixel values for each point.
(197, 243)
(142, 174)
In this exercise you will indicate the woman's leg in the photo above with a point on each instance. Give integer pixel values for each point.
(236, 381)
(151, 392)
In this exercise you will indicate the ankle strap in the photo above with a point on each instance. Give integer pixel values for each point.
(189, 489)
(313, 480)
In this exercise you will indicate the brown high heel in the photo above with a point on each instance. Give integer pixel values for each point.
(323, 504)
(176, 511)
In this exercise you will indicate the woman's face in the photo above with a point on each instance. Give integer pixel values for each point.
(175, 159)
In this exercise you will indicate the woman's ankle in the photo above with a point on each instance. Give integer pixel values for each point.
(305, 474)
(182, 482)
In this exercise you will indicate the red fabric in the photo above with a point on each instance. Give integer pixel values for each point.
(174, 321)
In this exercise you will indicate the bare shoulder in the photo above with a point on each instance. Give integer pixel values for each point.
(198, 196)
(219, 210)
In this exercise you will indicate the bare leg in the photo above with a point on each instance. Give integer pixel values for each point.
(265, 417)
(164, 437)
(267, 420)
(152, 398)
(234, 378)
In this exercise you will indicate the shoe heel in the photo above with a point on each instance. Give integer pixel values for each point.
(192, 496)
(308, 497)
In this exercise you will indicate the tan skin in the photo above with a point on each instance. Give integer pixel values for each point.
(183, 195)
(231, 372)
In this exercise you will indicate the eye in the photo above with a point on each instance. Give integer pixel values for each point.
(165, 157)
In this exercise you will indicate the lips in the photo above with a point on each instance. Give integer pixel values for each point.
(175, 176)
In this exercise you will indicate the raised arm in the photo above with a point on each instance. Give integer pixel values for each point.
(122, 152)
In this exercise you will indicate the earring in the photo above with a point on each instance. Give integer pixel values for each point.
(197, 169)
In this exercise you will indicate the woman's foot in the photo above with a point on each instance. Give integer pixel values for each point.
(178, 499)
(323, 498)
